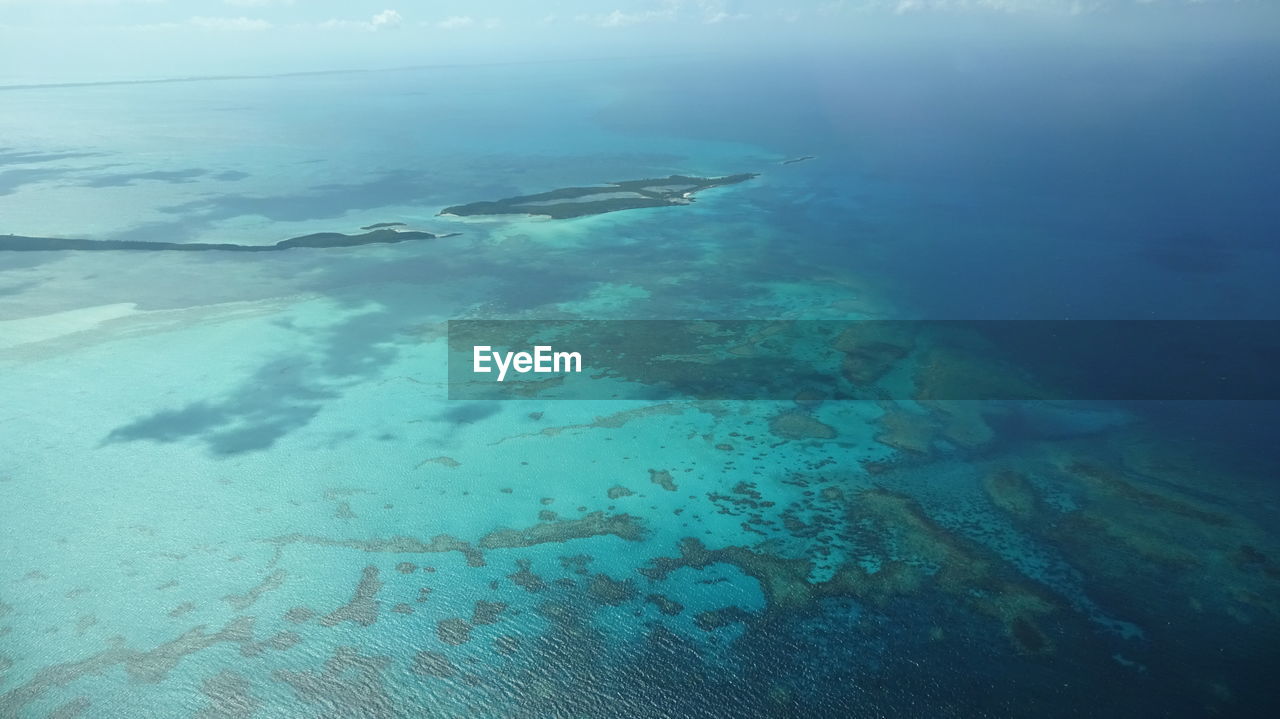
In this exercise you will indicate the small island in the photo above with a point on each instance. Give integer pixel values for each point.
(583, 201)
(321, 240)
(794, 160)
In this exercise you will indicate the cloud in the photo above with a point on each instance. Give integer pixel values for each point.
(617, 18)
(704, 11)
(386, 20)
(81, 2)
(257, 3)
(715, 11)
(459, 22)
(456, 22)
(240, 24)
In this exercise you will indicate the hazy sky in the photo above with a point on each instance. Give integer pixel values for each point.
(61, 40)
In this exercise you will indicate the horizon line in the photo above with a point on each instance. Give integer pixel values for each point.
(315, 73)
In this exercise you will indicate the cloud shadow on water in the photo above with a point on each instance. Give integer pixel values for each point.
(173, 177)
(275, 401)
(320, 203)
(13, 180)
(469, 413)
(14, 156)
(278, 398)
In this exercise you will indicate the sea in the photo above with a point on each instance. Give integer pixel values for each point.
(234, 484)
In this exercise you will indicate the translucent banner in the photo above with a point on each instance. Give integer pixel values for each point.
(864, 359)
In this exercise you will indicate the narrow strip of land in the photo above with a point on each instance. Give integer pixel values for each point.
(316, 240)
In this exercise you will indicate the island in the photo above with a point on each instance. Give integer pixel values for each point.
(794, 160)
(558, 204)
(322, 240)
(595, 200)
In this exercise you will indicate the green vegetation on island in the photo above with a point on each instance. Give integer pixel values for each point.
(582, 201)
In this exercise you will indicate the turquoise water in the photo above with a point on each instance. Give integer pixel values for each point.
(233, 484)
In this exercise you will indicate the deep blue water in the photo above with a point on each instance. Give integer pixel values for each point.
(1068, 180)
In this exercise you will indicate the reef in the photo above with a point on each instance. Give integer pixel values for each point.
(433, 664)
(1130, 529)
(665, 604)
(524, 577)
(150, 666)
(350, 684)
(453, 631)
(300, 615)
(72, 709)
(318, 240)
(570, 202)
(364, 605)
(394, 545)
(799, 425)
(577, 563)
(872, 348)
(1139, 520)
(228, 696)
(906, 431)
(282, 641)
(916, 555)
(604, 589)
(662, 478)
(449, 462)
(962, 422)
(610, 421)
(960, 368)
(487, 612)
(87, 621)
(1011, 492)
(244, 601)
(714, 619)
(595, 524)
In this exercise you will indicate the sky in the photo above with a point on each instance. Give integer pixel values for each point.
(49, 41)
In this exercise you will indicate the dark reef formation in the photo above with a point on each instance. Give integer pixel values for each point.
(321, 240)
(569, 202)
(595, 524)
